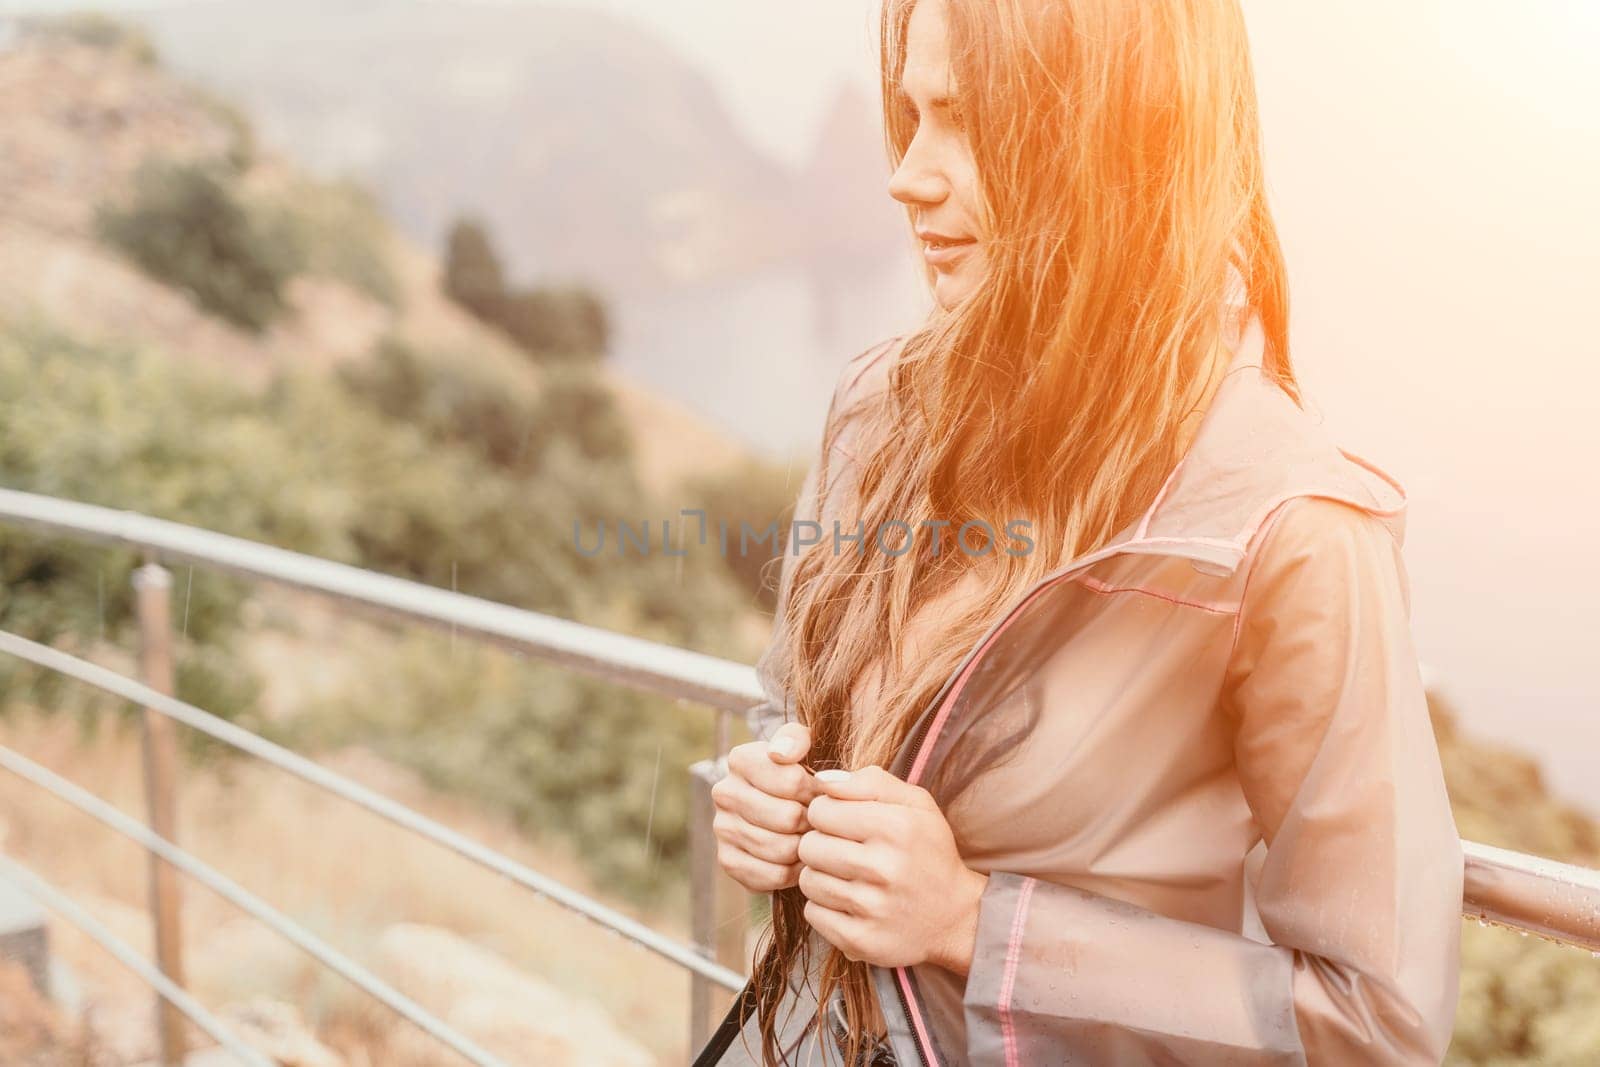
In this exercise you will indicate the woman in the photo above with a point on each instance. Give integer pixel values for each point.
(1095, 730)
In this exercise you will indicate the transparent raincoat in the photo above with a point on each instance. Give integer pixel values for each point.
(1197, 766)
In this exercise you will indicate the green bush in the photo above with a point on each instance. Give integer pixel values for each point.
(473, 276)
(186, 225)
(567, 757)
(756, 494)
(450, 398)
(431, 487)
(454, 399)
(554, 324)
(558, 324)
(341, 233)
(1525, 1000)
(576, 406)
(111, 427)
(307, 467)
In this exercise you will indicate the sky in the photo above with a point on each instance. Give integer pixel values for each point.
(1432, 167)
(775, 75)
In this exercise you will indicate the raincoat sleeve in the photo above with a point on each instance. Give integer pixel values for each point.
(1360, 889)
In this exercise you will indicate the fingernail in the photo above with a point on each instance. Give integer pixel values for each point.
(833, 774)
(784, 746)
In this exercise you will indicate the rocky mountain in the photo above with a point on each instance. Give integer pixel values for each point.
(844, 183)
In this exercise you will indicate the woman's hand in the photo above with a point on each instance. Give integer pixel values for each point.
(761, 810)
(882, 877)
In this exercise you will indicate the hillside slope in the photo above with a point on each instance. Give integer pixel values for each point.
(76, 123)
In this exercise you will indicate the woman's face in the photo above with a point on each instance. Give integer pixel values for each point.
(938, 178)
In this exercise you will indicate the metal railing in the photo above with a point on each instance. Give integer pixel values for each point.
(714, 957)
(1556, 900)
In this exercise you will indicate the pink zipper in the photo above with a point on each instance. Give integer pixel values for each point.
(902, 977)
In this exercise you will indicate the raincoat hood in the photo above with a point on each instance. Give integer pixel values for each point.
(1197, 766)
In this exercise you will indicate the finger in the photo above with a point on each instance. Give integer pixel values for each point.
(755, 765)
(756, 840)
(871, 783)
(755, 874)
(790, 743)
(777, 814)
(843, 931)
(839, 857)
(835, 893)
(858, 820)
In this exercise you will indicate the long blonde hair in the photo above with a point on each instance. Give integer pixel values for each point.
(1121, 179)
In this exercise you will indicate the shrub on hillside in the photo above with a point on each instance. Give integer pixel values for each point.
(559, 323)
(554, 324)
(473, 276)
(449, 398)
(577, 407)
(186, 225)
(112, 427)
(452, 398)
(305, 467)
(340, 232)
(430, 498)
(596, 763)
(1524, 1001)
(756, 494)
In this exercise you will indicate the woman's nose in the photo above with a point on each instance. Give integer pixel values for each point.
(917, 181)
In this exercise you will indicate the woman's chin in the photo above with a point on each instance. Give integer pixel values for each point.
(950, 288)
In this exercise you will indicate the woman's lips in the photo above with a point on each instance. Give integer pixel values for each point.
(943, 252)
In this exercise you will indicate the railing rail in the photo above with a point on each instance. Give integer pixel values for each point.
(376, 803)
(1559, 901)
(247, 902)
(1556, 900)
(689, 677)
(125, 954)
(632, 661)
(120, 951)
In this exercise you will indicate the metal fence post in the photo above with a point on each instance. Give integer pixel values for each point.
(152, 585)
(719, 906)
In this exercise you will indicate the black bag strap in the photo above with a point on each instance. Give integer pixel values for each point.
(730, 1028)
